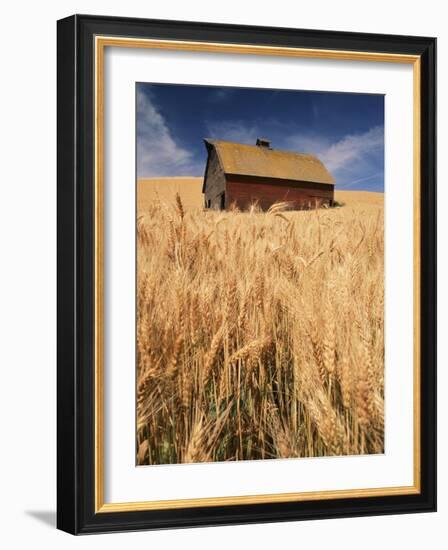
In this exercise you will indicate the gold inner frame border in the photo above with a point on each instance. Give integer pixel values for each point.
(101, 42)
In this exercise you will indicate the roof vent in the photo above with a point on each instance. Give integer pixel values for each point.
(261, 142)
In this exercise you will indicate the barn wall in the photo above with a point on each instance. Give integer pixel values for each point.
(243, 191)
(215, 181)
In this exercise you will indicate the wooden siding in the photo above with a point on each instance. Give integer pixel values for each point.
(242, 191)
(215, 181)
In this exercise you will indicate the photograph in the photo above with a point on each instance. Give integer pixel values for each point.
(259, 274)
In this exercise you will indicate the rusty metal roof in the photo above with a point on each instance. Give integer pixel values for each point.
(253, 160)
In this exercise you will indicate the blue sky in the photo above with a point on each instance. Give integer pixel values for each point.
(345, 131)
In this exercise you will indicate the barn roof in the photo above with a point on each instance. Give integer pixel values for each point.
(253, 160)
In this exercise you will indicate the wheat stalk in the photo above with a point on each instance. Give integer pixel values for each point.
(258, 338)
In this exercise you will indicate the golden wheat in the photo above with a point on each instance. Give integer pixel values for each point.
(259, 335)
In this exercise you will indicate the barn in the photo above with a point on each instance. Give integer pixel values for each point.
(241, 175)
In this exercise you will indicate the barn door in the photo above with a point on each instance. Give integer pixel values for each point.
(222, 205)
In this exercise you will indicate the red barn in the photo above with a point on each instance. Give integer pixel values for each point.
(241, 175)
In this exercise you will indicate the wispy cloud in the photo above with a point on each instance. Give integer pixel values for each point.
(233, 130)
(305, 143)
(220, 94)
(352, 159)
(354, 149)
(376, 175)
(346, 152)
(158, 154)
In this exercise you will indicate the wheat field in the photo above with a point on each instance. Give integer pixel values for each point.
(259, 335)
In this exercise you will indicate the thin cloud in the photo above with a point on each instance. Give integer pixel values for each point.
(220, 94)
(302, 143)
(352, 159)
(237, 131)
(158, 154)
(354, 148)
(367, 178)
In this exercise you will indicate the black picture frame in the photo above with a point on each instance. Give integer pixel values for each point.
(76, 271)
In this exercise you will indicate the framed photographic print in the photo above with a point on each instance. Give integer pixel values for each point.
(246, 274)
